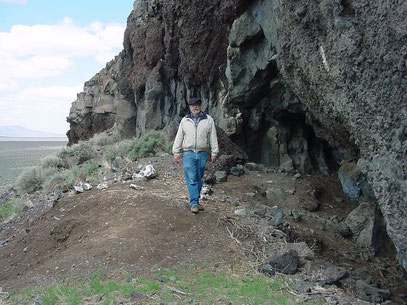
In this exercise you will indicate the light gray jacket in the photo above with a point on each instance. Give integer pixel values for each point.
(196, 138)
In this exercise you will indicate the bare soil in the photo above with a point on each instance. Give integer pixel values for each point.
(142, 230)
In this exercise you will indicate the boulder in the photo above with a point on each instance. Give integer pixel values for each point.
(225, 163)
(237, 170)
(276, 196)
(118, 164)
(348, 175)
(324, 273)
(110, 178)
(80, 187)
(367, 226)
(146, 173)
(286, 163)
(251, 166)
(221, 176)
(287, 263)
(209, 178)
(370, 293)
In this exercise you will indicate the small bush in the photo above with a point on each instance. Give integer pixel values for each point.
(106, 138)
(168, 147)
(34, 179)
(88, 172)
(72, 175)
(9, 209)
(120, 149)
(81, 152)
(86, 152)
(52, 162)
(92, 171)
(148, 145)
(30, 181)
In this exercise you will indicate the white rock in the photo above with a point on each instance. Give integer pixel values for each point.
(240, 212)
(147, 172)
(137, 187)
(102, 186)
(206, 190)
(78, 189)
(87, 186)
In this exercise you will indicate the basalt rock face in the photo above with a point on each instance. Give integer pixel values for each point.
(302, 85)
(346, 61)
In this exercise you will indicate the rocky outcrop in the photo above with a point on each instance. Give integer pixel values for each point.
(101, 105)
(346, 61)
(299, 85)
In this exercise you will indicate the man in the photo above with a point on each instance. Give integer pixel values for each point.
(196, 135)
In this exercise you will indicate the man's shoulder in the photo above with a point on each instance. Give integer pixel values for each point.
(209, 118)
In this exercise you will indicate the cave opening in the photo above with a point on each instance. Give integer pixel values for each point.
(287, 141)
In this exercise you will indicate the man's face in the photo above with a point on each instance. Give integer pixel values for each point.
(195, 109)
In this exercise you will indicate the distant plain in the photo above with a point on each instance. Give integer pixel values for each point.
(19, 154)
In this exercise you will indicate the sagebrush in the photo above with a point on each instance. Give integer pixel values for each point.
(148, 145)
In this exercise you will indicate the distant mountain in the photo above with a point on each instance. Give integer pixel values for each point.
(21, 132)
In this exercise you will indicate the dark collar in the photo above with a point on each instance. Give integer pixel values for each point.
(202, 116)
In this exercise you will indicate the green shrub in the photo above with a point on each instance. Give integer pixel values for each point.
(120, 149)
(33, 179)
(83, 148)
(91, 171)
(168, 147)
(88, 172)
(52, 162)
(72, 175)
(106, 138)
(148, 145)
(30, 180)
(9, 209)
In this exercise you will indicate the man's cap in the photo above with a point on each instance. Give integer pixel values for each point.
(194, 100)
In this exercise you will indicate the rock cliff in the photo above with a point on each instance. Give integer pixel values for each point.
(302, 85)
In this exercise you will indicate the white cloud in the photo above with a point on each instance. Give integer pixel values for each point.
(44, 53)
(15, 1)
(65, 39)
(41, 108)
(7, 85)
(46, 50)
(33, 67)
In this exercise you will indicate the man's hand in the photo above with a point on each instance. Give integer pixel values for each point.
(177, 158)
(213, 158)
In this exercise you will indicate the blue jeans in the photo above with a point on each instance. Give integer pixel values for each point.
(194, 168)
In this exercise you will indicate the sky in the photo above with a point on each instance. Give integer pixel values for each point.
(48, 49)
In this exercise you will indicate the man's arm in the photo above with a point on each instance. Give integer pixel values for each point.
(213, 140)
(177, 146)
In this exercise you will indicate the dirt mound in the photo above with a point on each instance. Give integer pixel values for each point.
(116, 228)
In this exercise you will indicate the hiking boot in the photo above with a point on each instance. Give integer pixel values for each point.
(200, 207)
(194, 209)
